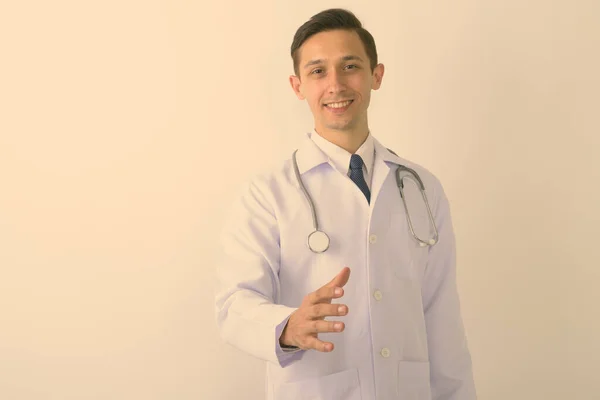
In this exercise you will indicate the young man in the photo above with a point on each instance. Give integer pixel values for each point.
(394, 327)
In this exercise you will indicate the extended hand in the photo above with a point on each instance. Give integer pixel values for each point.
(308, 320)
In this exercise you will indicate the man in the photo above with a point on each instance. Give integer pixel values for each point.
(395, 330)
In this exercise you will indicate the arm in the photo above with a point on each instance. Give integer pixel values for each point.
(450, 360)
(247, 281)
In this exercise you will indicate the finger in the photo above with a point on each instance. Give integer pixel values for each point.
(322, 310)
(313, 343)
(321, 326)
(333, 289)
(340, 279)
(325, 294)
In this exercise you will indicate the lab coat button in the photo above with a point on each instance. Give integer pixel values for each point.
(385, 352)
(373, 239)
(378, 296)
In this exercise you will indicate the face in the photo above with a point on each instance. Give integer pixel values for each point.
(333, 70)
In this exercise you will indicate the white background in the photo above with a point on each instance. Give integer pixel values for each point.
(126, 126)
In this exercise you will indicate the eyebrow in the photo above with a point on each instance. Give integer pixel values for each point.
(345, 58)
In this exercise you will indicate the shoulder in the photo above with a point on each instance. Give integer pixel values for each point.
(429, 178)
(273, 176)
(268, 185)
(431, 182)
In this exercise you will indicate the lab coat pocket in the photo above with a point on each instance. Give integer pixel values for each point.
(413, 380)
(338, 386)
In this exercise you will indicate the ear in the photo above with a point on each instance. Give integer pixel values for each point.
(296, 86)
(377, 76)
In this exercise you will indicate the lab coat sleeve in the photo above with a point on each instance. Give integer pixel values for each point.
(247, 280)
(282, 352)
(450, 359)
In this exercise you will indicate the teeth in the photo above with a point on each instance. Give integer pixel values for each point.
(339, 105)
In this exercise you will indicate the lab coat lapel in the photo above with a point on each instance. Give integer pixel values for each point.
(384, 163)
(309, 155)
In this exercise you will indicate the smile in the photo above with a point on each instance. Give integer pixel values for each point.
(339, 105)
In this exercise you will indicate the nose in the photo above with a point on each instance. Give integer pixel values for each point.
(335, 81)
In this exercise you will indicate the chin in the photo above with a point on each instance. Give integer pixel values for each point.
(342, 126)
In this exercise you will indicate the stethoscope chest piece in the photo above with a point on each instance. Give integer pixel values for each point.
(318, 241)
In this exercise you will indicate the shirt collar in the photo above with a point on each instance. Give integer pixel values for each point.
(309, 155)
(340, 158)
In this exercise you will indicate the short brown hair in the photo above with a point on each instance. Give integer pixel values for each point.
(332, 19)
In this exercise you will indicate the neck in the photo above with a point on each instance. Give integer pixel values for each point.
(349, 141)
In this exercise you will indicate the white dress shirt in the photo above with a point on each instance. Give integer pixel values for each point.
(340, 158)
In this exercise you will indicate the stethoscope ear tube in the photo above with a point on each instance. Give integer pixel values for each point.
(404, 172)
(317, 241)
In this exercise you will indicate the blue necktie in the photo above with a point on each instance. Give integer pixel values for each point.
(356, 174)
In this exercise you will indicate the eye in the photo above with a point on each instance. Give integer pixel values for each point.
(315, 70)
(352, 65)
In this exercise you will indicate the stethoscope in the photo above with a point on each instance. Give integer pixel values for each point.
(318, 241)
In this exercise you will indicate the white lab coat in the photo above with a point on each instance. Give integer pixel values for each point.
(404, 336)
